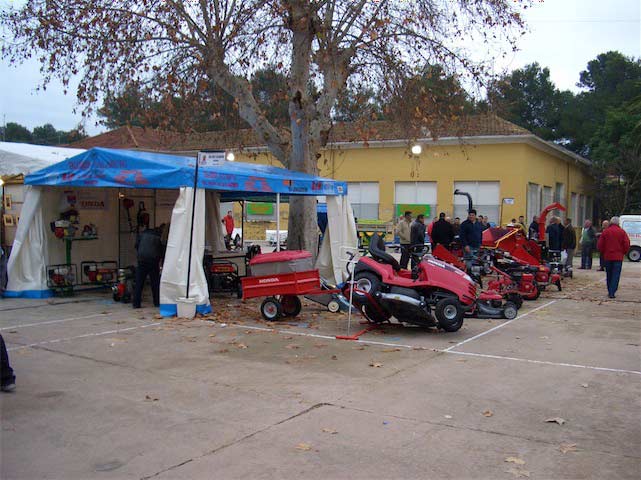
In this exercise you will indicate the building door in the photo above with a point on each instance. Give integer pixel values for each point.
(364, 198)
(485, 196)
(418, 197)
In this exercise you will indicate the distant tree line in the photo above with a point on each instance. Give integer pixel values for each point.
(46, 134)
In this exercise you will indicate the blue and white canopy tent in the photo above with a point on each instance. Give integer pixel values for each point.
(115, 171)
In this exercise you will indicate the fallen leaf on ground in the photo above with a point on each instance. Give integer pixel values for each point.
(292, 346)
(190, 339)
(362, 347)
(304, 447)
(488, 413)
(448, 416)
(241, 345)
(320, 345)
(518, 472)
(330, 430)
(150, 398)
(585, 385)
(288, 337)
(248, 332)
(158, 316)
(558, 420)
(516, 460)
(567, 447)
(224, 350)
(212, 334)
(334, 357)
(376, 365)
(389, 350)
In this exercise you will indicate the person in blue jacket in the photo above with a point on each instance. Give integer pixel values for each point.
(471, 236)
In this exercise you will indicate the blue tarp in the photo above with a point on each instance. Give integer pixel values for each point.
(104, 167)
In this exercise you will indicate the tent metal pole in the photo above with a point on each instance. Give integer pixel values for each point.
(191, 229)
(242, 224)
(278, 222)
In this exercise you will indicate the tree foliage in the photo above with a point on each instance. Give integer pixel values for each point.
(183, 47)
(45, 134)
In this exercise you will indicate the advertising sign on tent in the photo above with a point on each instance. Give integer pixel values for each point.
(212, 158)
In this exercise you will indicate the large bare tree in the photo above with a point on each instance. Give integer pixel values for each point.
(320, 45)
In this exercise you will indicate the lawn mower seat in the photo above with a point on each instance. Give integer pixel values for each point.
(378, 253)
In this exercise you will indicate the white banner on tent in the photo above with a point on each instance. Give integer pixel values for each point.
(211, 159)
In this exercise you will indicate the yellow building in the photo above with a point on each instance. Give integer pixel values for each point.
(507, 170)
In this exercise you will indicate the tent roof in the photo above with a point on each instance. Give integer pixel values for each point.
(103, 167)
(23, 158)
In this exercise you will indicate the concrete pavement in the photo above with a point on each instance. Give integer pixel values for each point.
(107, 392)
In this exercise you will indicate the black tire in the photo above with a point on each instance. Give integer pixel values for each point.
(510, 311)
(239, 292)
(516, 299)
(634, 255)
(370, 283)
(449, 313)
(271, 309)
(116, 297)
(290, 305)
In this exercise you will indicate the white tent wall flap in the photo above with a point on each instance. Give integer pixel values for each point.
(214, 235)
(173, 282)
(33, 249)
(340, 237)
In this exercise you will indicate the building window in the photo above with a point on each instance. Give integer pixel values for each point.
(574, 209)
(364, 198)
(419, 197)
(547, 197)
(485, 196)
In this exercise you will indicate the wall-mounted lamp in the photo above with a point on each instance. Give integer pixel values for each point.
(416, 149)
(230, 156)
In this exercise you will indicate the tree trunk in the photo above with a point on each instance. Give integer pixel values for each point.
(302, 227)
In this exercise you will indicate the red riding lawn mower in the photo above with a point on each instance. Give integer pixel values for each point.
(433, 294)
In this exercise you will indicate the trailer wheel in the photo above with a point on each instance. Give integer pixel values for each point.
(333, 306)
(510, 311)
(271, 309)
(291, 305)
(634, 255)
(516, 299)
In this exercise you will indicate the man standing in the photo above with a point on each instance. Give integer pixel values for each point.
(568, 243)
(403, 232)
(149, 251)
(8, 378)
(522, 222)
(533, 231)
(471, 236)
(456, 226)
(554, 234)
(604, 224)
(588, 239)
(442, 232)
(228, 220)
(417, 234)
(613, 244)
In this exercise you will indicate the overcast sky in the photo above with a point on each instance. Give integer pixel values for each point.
(564, 35)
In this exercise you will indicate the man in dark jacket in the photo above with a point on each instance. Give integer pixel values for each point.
(471, 236)
(613, 244)
(554, 234)
(417, 234)
(149, 251)
(568, 243)
(442, 233)
(533, 230)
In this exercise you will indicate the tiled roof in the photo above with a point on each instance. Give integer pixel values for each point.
(151, 139)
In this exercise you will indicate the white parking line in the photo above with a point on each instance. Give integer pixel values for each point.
(14, 327)
(543, 362)
(500, 326)
(98, 334)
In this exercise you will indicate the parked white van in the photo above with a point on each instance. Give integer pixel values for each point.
(632, 226)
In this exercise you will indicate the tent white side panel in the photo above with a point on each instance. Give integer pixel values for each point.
(32, 249)
(340, 237)
(173, 282)
(214, 235)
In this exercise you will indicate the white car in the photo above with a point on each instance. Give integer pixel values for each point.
(270, 236)
(632, 226)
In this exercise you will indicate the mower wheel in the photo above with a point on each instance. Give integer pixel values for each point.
(516, 299)
(291, 305)
(116, 297)
(449, 313)
(333, 306)
(239, 292)
(510, 311)
(271, 309)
